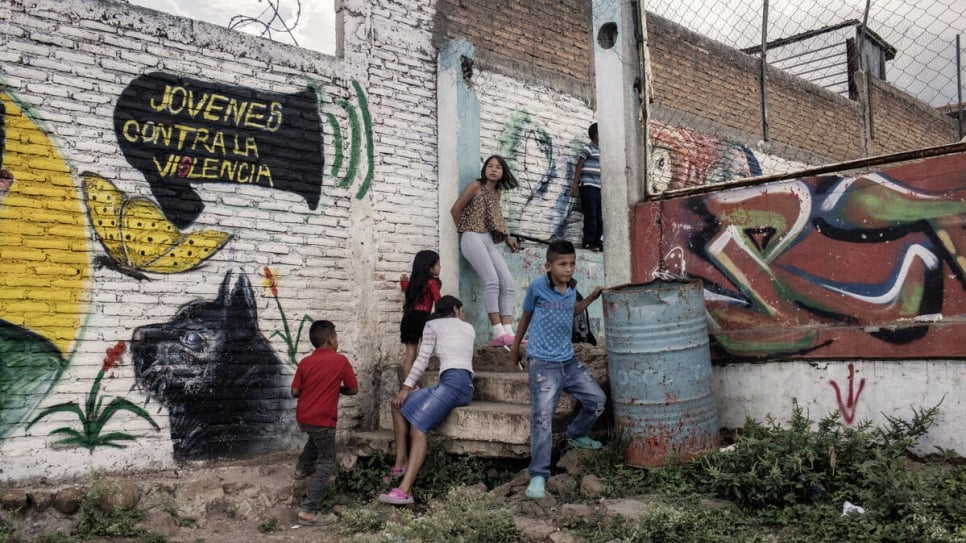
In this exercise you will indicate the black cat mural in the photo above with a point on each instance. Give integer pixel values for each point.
(226, 391)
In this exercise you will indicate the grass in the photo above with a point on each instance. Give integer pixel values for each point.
(778, 483)
(789, 484)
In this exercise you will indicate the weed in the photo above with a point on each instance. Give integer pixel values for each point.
(268, 526)
(115, 523)
(460, 516)
(361, 520)
(442, 472)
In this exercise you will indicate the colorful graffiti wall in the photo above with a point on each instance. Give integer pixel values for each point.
(867, 265)
(170, 225)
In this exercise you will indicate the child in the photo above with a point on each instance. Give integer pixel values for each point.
(587, 181)
(422, 292)
(479, 220)
(452, 339)
(551, 304)
(319, 380)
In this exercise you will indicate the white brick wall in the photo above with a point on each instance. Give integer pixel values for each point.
(547, 148)
(69, 61)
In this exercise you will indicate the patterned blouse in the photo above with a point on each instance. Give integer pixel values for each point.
(483, 214)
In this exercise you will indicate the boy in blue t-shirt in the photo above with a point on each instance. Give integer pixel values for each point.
(550, 304)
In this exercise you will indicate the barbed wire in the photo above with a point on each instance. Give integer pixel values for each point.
(265, 22)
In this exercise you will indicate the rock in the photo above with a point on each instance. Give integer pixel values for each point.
(67, 500)
(502, 491)
(591, 487)
(576, 510)
(40, 500)
(570, 462)
(478, 489)
(562, 485)
(119, 494)
(562, 537)
(520, 479)
(13, 500)
(627, 508)
(533, 530)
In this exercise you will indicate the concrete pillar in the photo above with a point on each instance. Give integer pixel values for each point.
(617, 83)
(458, 133)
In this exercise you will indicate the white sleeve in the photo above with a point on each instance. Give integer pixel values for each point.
(422, 359)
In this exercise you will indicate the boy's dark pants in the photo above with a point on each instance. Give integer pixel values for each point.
(593, 217)
(318, 454)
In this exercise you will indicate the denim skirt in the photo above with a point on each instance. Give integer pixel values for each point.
(427, 407)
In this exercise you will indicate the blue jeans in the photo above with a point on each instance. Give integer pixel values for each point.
(318, 454)
(547, 380)
(593, 216)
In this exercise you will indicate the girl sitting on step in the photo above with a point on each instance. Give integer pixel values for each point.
(417, 412)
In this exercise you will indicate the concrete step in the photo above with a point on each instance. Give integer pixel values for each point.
(364, 443)
(512, 387)
(489, 422)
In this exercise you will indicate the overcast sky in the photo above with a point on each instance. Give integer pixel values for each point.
(315, 29)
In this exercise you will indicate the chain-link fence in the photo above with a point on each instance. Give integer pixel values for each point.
(854, 52)
(807, 38)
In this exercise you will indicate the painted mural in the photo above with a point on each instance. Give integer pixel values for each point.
(138, 238)
(94, 416)
(44, 284)
(177, 131)
(868, 266)
(682, 158)
(222, 383)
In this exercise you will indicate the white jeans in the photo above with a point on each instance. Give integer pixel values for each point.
(487, 259)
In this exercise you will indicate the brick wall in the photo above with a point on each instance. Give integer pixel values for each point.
(119, 310)
(541, 41)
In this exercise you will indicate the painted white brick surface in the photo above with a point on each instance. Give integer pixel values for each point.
(68, 62)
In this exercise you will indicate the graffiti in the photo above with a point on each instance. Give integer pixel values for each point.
(291, 341)
(95, 415)
(793, 268)
(548, 210)
(138, 238)
(683, 158)
(847, 408)
(177, 131)
(360, 124)
(217, 375)
(41, 221)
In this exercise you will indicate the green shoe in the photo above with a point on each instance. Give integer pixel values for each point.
(584, 442)
(535, 490)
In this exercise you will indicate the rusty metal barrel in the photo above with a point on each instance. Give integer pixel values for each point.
(659, 364)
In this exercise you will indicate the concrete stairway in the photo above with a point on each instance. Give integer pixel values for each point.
(495, 424)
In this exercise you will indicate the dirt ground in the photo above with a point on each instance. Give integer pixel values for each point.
(231, 502)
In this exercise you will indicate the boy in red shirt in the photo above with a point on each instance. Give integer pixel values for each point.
(319, 380)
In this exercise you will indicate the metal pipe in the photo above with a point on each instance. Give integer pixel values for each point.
(868, 73)
(764, 65)
(959, 86)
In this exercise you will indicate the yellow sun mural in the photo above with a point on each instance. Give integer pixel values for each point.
(43, 235)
